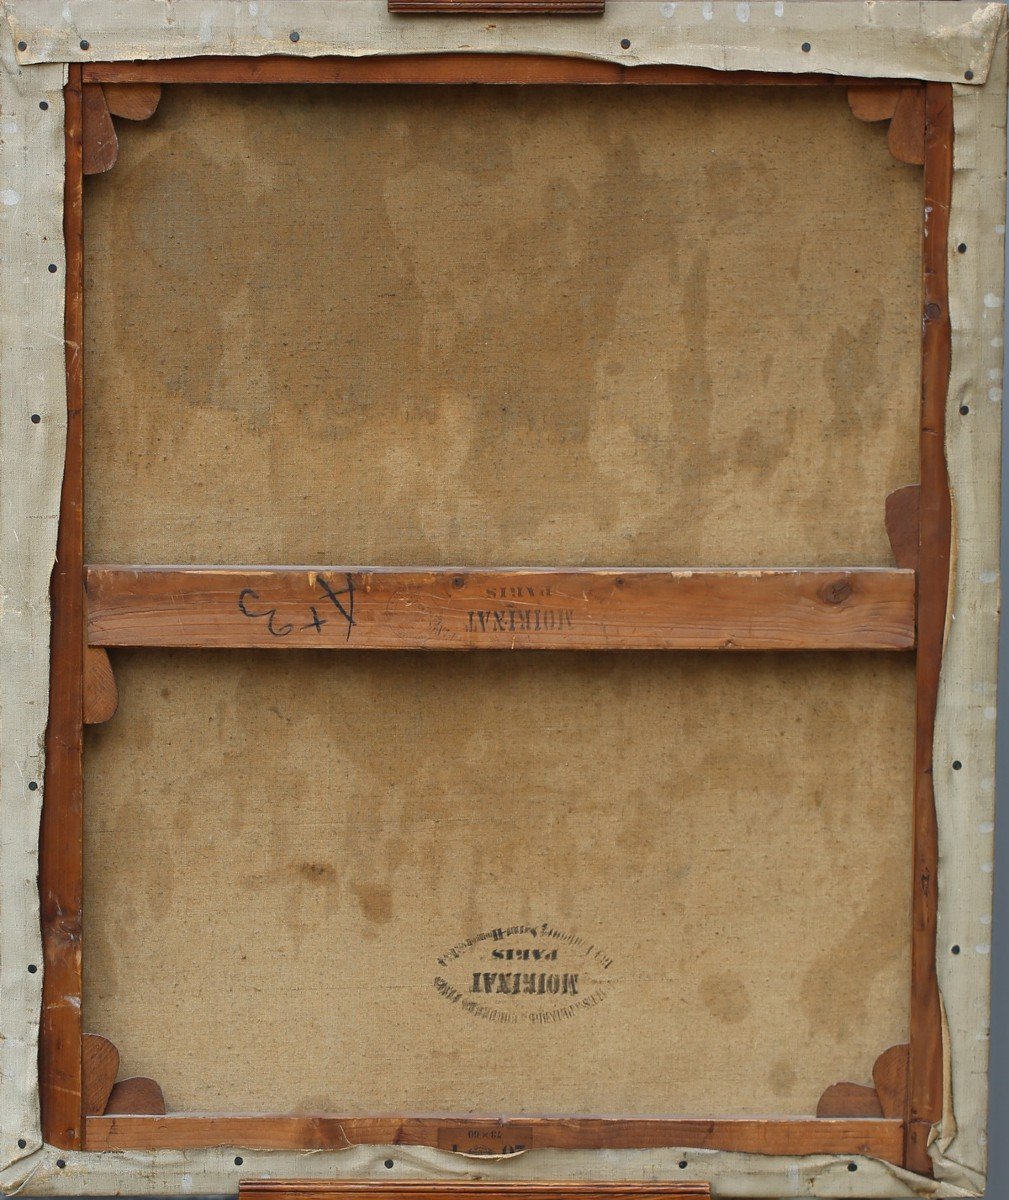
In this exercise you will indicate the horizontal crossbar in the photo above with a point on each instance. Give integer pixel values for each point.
(347, 608)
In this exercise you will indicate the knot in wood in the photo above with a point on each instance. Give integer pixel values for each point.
(836, 591)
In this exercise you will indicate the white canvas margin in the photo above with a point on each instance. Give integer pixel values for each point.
(938, 40)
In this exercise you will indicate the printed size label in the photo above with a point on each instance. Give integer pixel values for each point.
(496, 1139)
(524, 973)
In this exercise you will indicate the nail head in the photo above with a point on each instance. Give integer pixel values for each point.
(806, 47)
(625, 43)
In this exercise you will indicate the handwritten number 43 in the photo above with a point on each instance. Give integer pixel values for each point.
(342, 600)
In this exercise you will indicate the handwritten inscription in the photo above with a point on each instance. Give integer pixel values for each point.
(251, 605)
(485, 1139)
(520, 620)
(314, 600)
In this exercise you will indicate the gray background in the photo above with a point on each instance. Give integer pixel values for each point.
(998, 1123)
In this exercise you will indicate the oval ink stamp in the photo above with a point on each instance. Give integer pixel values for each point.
(524, 973)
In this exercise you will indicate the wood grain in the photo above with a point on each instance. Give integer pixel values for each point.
(902, 525)
(560, 8)
(925, 1059)
(879, 1138)
(849, 1100)
(333, 1189)
(101, 697)
(906, 136)
(438, 69)
(364, 608)
(886, 1098)
(138, 1095)
(100, 1065)
(889, 1074)
(873, 103)
(61, 834)
(100, 145)
(132, 101)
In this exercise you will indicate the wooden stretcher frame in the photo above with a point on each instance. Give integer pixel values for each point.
(744, 609)
(900, 1138)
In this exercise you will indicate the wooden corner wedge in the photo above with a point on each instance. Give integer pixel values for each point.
(101, 1095)
(100, 145)
(100, 696)
(901, 518)
(138, 1096)
(889, 1074)
(873, 102)
(903, 107)
(132, 101)
(906, 138)
(886, 1098)
(849, 1100)
(100, 1065)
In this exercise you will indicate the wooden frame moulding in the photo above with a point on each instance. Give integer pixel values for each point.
(342, 1189)
(849, 608)
(557, 8)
